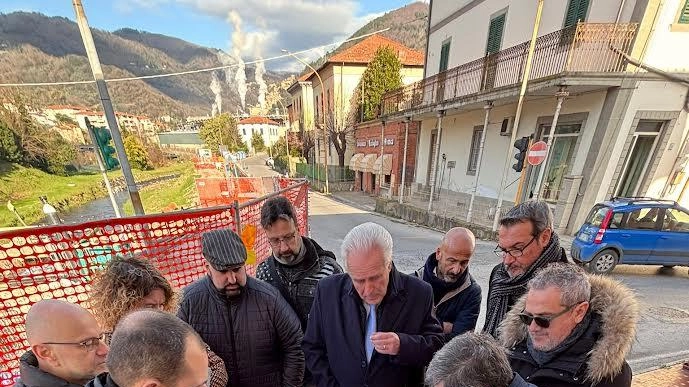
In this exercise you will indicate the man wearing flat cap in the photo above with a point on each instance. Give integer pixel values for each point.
(244, 320)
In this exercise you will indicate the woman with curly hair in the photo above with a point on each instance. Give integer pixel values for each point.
(129, 283)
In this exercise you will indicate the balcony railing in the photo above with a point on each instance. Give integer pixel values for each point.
(586, 47)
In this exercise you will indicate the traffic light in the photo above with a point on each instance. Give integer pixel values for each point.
(103, 138)
(522, 145)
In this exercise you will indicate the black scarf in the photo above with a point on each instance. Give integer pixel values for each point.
(440, 287)
(505, 290)
(542, 357)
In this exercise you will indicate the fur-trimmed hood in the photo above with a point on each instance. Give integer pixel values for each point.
(618, 309)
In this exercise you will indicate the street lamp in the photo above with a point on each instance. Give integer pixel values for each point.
(325, 138)
(289, 129)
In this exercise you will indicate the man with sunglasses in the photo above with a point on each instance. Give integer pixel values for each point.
(526, 243)
(572, 329)
(297, 262)
(66, 347)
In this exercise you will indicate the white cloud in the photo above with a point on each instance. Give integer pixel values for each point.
(280, 24)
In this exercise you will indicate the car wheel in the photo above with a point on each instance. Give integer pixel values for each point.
(604, 262)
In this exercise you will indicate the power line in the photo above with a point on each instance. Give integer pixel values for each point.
(188, 71)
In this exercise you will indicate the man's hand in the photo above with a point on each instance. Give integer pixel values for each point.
(386, 343)
(447, 327)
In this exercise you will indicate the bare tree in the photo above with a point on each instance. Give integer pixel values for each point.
(340, 124)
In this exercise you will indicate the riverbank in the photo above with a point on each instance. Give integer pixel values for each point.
(22, 186)
(166, 196)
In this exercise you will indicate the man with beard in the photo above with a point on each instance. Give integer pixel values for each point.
(526, 243)
(572, 329)
(243, 320)
(297, 262)
(456, 296)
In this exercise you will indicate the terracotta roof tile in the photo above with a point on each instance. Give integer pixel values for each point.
(258, 120)
(364, 51)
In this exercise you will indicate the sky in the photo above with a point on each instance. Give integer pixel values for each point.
(257, 28)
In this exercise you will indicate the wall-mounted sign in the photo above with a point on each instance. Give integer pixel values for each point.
(361, 144)
(389, 141)
(373, 143)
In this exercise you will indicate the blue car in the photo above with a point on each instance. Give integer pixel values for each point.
(633, 231)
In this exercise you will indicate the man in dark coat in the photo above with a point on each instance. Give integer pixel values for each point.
(297, 262)
(154, 348)
(572, 330)
(66, 347)
(526, 243)
(472, 359)
(456, 296)
(374, 325)
(243, 320)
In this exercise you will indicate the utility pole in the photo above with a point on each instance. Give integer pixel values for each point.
(487, 108)
(561, 94)
(92, 55)
(101, 166)
(520, 105)
(404, 160)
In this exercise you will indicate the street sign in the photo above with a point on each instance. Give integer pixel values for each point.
(537, 153)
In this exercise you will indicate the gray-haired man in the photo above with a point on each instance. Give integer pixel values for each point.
(472, 359)
(526, 243)
(243, 320)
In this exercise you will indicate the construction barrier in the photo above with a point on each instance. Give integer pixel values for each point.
(215, 191)
(58, 262)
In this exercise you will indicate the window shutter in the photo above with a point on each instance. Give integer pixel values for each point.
(576, 11)
(495, 30)
(684, 14)
(444, 57)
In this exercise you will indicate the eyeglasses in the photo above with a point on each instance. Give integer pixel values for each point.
(89, 344)
(515, 252)
(541, 321)
(275, 242)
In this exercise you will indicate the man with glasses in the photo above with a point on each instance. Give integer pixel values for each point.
(297, 262)
(66, 347)
(526, 243)
(572, 329)
(243, 320)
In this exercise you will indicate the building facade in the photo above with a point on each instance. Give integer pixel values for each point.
(315, 105)
(269, 130)
(619, 130)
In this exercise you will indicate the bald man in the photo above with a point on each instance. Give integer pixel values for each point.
(66, 347)
(456, 296)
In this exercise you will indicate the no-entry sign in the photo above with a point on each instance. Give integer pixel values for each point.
(537, 153)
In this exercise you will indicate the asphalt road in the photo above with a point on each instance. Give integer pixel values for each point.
(663, 330)
(663, 294)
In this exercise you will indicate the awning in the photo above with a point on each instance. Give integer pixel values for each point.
(354, 162)
(366, 164)
(383, 165)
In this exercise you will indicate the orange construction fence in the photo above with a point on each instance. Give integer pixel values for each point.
(58, 262)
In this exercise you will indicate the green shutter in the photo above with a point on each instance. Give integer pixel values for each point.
(684, 14)
(497, 26)
(444, 57)
(576, 11)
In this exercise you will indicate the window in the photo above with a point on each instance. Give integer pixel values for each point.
(444, 56)
(244, 131)
(643, 219)
(495, 30)
(261, 131)
(597, 215)
(684, 13)
(676, 220)
(616, 220)
(473, 154)
(576, 12)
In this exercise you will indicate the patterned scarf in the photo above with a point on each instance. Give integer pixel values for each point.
(504, 290)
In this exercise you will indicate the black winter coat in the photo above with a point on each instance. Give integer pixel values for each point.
(300, 289)
(102, 380)
(263, 349)
(334, 340)
(32, 376)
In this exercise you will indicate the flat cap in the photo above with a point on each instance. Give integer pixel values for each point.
(223, 249)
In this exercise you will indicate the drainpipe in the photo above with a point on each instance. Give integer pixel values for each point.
(382, 152)
(561, 94)
(434, 170)
(520, 104)
(404, 158)
(487, 107)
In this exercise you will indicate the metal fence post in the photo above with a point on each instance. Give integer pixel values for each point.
(237, 217)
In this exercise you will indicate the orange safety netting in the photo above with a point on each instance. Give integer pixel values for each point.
(58, 262)
(215, 191)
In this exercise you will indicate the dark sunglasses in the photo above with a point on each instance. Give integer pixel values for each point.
(541, 321)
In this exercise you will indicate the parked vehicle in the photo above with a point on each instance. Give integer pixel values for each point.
(633, 231)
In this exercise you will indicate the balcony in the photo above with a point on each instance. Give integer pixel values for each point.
(583, 48)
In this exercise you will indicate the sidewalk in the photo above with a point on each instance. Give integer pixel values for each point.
(357, 199)
(672, 376)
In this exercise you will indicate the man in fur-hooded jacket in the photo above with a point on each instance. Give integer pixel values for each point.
(571, 329)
